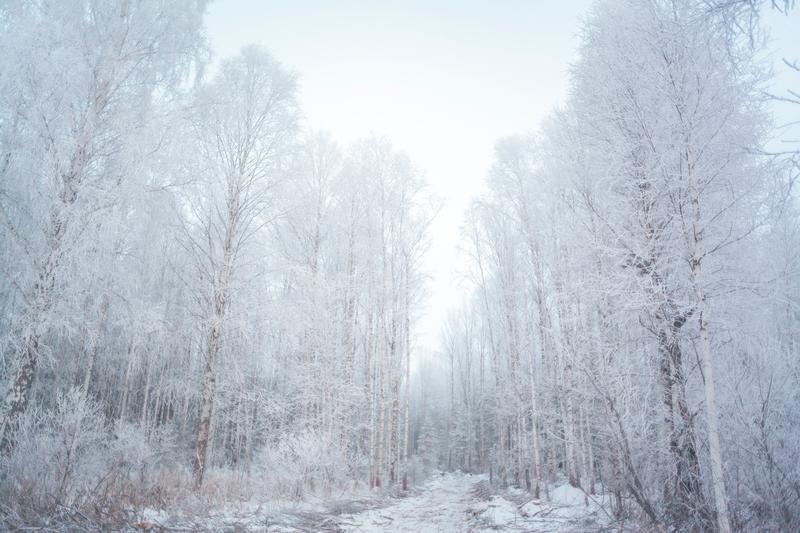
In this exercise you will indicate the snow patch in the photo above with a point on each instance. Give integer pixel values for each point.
(499, 512)
(568, 495)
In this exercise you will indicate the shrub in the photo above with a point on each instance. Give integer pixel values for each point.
(58, 458)
(305, 460)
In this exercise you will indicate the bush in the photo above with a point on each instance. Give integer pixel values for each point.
(67, 465)
(306, 460)
(144, 469)
(57, 458)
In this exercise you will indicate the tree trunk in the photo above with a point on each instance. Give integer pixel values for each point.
(206, 406)
(212, 352)
(712, 418)
(407, 333)
(19, 394)
(682, 442)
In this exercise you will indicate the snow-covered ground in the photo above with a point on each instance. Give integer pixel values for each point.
(451, 502)
(443, 504)
(448, 502)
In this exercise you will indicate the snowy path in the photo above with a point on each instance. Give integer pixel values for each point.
(447, 503)
(451, 503)
(442, 506)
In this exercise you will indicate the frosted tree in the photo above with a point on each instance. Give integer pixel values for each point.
(242, 122)
(78, 86)
(680, 124)
(630, 221)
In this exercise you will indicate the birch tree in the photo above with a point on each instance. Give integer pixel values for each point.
(633, 211)
(242, 122)
(75, 91)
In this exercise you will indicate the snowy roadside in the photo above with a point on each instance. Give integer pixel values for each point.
(313, 514)
(569, 510)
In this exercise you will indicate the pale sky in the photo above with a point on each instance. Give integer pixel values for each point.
(443, 80)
